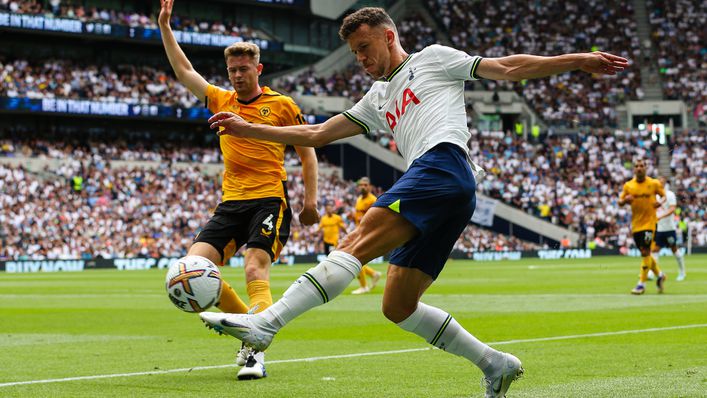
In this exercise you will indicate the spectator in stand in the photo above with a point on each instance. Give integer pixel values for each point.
(138, 211)
(352, 81)
(497, 28)
(118, 83)
(679, 37)
(64, 9)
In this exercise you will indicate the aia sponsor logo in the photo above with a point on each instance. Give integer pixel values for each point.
(408, 98)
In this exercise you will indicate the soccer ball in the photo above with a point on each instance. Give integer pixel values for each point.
(193, 283)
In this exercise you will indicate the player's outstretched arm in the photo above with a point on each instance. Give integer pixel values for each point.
(180, 63)
(522, 66)
(314, 135)
(310, 168)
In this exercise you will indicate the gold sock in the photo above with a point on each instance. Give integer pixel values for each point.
(229, 300)
(362, 278)
(654, 267)
(259, 294)
(368, 270)
(645, 265)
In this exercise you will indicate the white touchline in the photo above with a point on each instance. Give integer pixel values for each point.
(356, 355)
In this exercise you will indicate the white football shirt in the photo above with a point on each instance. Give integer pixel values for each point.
(667, 223)
(421, 102)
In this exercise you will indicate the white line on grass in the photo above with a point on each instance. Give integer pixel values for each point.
(581, 336)
(356, 355)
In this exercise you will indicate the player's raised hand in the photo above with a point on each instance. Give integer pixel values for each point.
(227, 123)
(309, 216)
(165, 12)
(604, 63)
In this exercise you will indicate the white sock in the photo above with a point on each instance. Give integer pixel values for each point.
(442, 331)
(681, 262)
(317, 286)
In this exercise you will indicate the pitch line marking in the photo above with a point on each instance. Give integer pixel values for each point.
(356, 355)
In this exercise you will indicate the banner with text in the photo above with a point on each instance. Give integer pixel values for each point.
(485, 210)
(68, 25)
(132, 264)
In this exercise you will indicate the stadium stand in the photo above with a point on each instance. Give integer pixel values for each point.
(498, 28)
(146, 211)
(352, 82)
(119, 83)
(63, 9)
(679, 36)
(577, 179)
(570, 180)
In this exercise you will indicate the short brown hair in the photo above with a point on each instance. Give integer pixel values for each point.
(243, 48)
(371, 16)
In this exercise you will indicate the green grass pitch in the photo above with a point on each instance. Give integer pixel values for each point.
(573, 323)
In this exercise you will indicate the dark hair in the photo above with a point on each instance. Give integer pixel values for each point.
(371, 16)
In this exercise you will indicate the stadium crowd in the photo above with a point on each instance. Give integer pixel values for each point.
(71, 10)
(681, 47)
(494, 29)
(689, 162)
(84, 148)
(483, 27)
(486, 28)
(87, 207)
(499, 28)
(111, 83)
(352, 81)
(575, 181)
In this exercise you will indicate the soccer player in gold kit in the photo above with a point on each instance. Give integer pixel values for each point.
(364, 202)
(640, 192)
(254, 210)
(331, 225)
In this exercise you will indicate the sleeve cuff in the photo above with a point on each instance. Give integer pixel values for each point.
(473, 74)
(360, 123)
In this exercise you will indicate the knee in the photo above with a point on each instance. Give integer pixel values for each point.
(398, 312)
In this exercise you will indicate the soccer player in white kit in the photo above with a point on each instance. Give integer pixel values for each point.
(665, 230)
(420, 99)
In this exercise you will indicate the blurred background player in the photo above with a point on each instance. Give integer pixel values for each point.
(254, 210)
(665, 230)
(331, 225)
(365, 200)
(640, 192)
